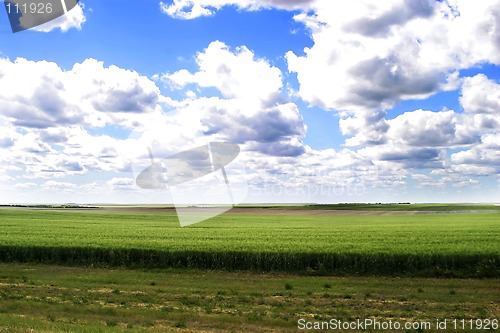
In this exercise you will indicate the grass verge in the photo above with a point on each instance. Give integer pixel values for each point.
(47, 299)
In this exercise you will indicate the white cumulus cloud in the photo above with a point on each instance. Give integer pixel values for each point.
(39, 94)
(252, 108)
(75, 18)
(191, 9)
(371, 55)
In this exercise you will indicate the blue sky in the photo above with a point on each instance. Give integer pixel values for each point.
(329, 102)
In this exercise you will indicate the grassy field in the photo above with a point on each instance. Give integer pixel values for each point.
(460, 245)
(67, 270)
(49, 299)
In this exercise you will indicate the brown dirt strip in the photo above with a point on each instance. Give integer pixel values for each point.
(253, 211)
(268, 211)
(319, 212)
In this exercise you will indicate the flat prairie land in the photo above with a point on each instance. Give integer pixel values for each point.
(431, 245)
(41, 298)
(252, 269)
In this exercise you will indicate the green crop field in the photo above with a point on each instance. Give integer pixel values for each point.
(133, 269)
(461, 245)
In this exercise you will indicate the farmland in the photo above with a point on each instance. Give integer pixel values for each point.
(50, 299)
(457, 245)
(253, 269)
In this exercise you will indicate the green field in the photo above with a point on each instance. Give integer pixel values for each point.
(459, 245)
(132, 269)
(50, 299)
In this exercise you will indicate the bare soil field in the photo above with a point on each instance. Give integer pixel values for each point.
(281, 211)
(312, 212)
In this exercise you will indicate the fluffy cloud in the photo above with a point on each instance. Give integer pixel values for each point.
(320, 176)
(190, 9)
(75, 18)
(405, 158)
(431, 129)
(366, 58)
(121, 184)
(52, 120)
(59, 186)
(480, 160)
(480, 98)
(369, 55)
(364, 128)
(441, 179)
(60, 152)
(236, 75)
(477, 156)
(251, 109)
(480, 95)
(421, 139)
(42, 95)
(270, 129)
